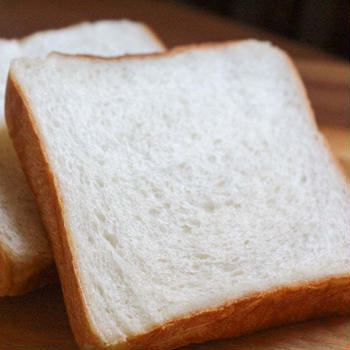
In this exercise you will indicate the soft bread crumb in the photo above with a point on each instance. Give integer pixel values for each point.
(187, 180)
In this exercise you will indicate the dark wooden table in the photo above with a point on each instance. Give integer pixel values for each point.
(38, 320)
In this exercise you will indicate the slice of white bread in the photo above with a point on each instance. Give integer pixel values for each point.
(25, 256)
(188, 195)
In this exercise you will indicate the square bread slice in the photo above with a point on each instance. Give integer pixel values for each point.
(25, 256)
(188, 195)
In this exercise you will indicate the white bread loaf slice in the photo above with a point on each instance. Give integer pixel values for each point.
(25, 256)
(188, 195)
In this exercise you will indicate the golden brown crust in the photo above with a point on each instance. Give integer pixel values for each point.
(167, 53)
(250, 313)
(247, 314)
(18, 277)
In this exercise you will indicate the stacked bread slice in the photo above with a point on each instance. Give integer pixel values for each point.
(25, 255)
(188, 195)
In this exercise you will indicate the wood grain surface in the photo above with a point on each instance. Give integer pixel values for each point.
(38, 321)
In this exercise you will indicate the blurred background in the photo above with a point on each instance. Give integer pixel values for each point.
(314, 32)
(322, 23)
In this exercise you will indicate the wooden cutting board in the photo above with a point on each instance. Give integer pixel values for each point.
(37, 321)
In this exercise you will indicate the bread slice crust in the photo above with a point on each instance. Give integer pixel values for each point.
(18, 277)
(260, 310)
